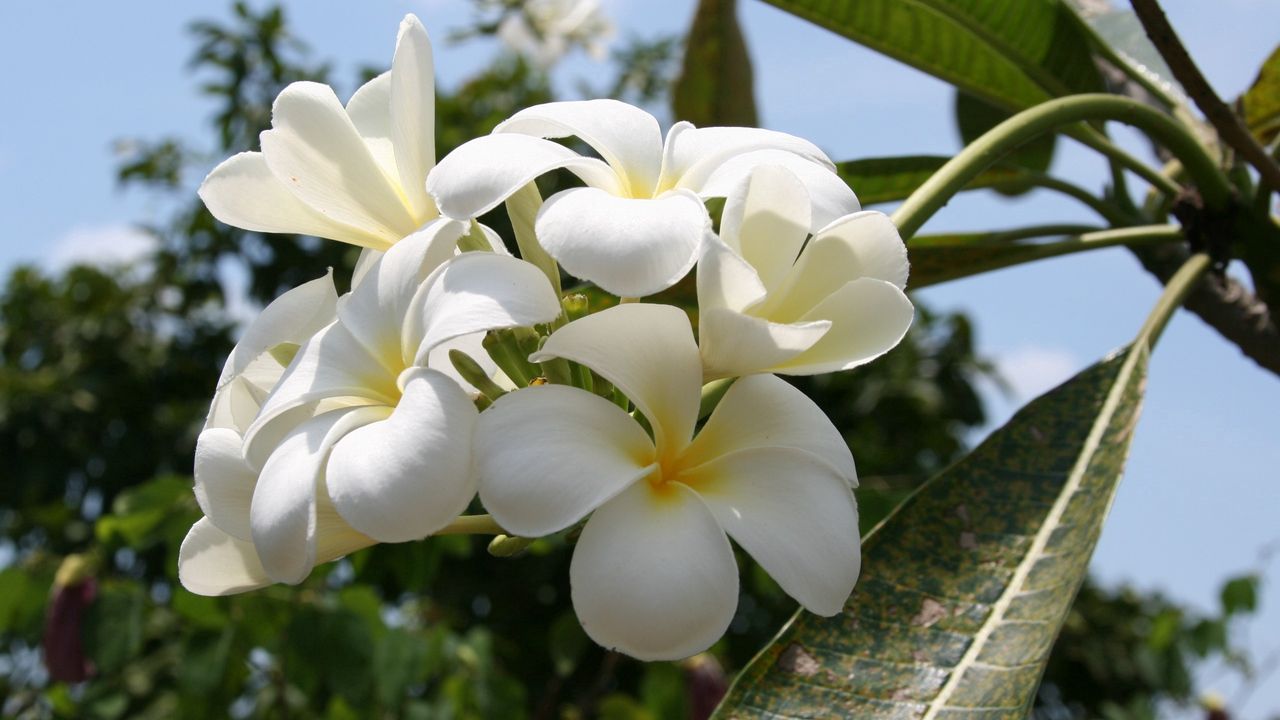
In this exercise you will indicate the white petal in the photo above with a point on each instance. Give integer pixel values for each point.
(868, 318)
(829, 196)
(376, 309)
(409, 475)
(692, 154)
(766, 220)
(764, 411)
(628, 247)
(291, 318)
(483, 172)
(864, 244)
(495, 240)
(647, 352)
(734, 344)
(283, 516)
(331, 365)
(314, 148)
(627, 137)
(370, 111)
(481, 291)
(211, 562)
(795, 515)
(546, 456)
(364, 263)
(653, 575)
(725, 280)
(413, 113)
(224, 481)
(242, 192)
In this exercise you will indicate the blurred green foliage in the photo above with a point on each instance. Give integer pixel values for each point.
(105, 381)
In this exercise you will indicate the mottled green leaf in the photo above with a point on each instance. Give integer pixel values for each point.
(1012, 53)
(890, 179)
(715, 86)
(965, 587)
(1262, 100)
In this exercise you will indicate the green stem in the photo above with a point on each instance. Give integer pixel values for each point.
(1020, 254)
(472, 525)
(522, 209)
(1094, 203)
(712, 393)
(1175, 292)
(1002, 237)
(1047, 117)
(1091, 138)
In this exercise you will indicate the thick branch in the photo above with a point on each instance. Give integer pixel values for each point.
(1229, 125)
(1223, 303)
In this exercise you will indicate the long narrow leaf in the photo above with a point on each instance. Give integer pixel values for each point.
(1012, 53)
(889, 179)
(965, 586)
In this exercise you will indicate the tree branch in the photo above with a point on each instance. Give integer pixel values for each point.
(1230, 127)
(1226, 305)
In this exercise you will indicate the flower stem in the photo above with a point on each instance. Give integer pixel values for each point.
(1018, 254)
(522, 209)
(1047, 117)
(1175, 292)
(1094, 203)
(472, 525)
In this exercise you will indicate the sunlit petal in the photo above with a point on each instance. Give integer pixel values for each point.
(406, 476)
(653, 575)
(628, 247)
(791, 512)
(647, 352)
(764, 411)
(868, 318)
(546, 456)
(627, 137)
(483, 172)
(211, 562)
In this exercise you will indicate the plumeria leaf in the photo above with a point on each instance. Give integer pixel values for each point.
(715, 86)
(890, 179)
(964, 587)
(1011, 53)
(1262, 100)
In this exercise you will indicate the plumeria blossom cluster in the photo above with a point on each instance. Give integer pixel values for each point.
(454, 374)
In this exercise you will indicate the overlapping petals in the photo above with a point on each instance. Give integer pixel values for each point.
(767, 306)
(653, 573)
(359, 440)
(637, 226)
(218, 555)
(355, 174)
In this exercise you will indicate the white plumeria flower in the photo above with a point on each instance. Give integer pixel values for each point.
(544, 30)
(766, 305)
(218, 556)
(653, 574)
(355, 174)
(363, 438)
(636, 228)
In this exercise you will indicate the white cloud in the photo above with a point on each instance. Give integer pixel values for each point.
(100, 245)
(1031, 370)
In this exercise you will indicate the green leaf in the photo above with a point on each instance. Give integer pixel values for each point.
(1240, 595)
(1262, 100)
(113, 626)
(715, 86)
(975, 116)
(1012, 53)
(965, 587)
(890, 179)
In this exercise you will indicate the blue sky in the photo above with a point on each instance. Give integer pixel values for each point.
(1201, 494)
